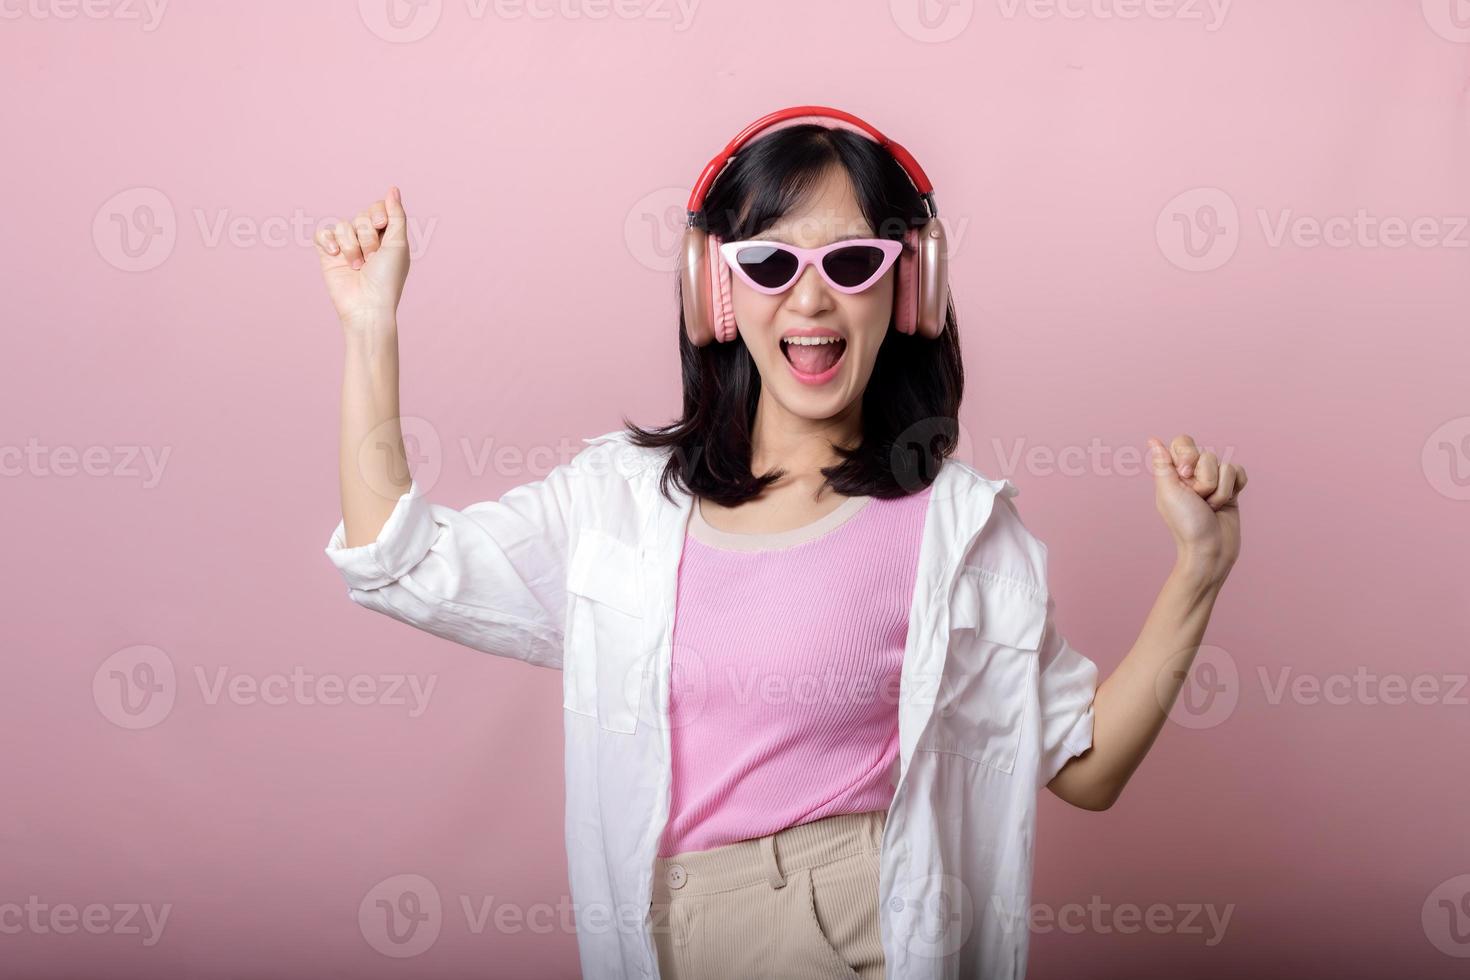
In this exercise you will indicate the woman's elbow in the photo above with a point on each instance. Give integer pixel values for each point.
(1085, 794)
(1096, 801)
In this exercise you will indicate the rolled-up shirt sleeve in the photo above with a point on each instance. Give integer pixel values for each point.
(491, 576)
(1067, 683)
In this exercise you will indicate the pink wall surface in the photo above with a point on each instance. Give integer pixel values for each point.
(1245, 221)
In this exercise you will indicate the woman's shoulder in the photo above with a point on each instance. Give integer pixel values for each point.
(966, 476)
(1005, 546)
(614, 453)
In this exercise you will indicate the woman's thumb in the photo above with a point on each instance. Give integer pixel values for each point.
(1166, 477)
(397, 230)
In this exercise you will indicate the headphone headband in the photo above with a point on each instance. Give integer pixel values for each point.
(798, 115)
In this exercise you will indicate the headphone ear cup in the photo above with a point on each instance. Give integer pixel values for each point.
(722, 309)
(906, 292)
(694, 287)
(931, 299)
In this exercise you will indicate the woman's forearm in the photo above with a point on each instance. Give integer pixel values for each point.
(1130, 706)
(1198, 498)
(364, 265)
(372, 464)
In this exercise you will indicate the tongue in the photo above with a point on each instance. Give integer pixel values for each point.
(813, 359)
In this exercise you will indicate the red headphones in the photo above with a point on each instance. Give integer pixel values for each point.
(922, 294)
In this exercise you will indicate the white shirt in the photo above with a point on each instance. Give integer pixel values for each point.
(577, 571)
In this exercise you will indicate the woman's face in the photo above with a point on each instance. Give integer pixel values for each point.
(859, 320)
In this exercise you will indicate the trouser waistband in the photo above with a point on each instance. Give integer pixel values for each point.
(770, 858)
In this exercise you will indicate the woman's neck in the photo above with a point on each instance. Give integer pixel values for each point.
(800, 446)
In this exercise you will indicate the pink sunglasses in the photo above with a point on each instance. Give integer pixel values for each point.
(849, 266)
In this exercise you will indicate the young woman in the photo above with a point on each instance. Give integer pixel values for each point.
(812, 677)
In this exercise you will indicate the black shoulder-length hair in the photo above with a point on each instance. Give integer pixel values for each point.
(911, 404)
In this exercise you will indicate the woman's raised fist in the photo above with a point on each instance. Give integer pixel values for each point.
(365, 263)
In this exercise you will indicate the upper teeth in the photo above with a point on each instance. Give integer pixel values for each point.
(811, 341)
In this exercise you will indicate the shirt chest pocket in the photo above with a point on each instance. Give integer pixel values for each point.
(990, 670)
(603, 661)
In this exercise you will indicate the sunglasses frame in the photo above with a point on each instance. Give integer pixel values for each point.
(891, 249)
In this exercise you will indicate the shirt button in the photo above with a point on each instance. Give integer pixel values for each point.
(896, 903)
(677, 876)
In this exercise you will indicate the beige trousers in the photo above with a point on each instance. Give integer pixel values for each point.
(799, 903)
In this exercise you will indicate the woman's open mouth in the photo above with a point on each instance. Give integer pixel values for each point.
(814, 360)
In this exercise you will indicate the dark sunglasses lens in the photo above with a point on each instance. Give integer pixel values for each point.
(854, 265)
(769, 266)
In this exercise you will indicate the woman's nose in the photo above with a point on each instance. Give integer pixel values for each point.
(810, 295)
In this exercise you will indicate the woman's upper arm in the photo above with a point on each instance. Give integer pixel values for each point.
(1067, 683)
(491, 576)
(1066, 679)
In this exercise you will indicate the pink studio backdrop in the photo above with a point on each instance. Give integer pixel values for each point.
(1242, 221)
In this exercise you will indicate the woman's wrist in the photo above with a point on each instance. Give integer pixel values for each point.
(370, 324)
(372, 345)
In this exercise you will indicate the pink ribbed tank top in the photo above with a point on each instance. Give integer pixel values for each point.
(785, 672)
